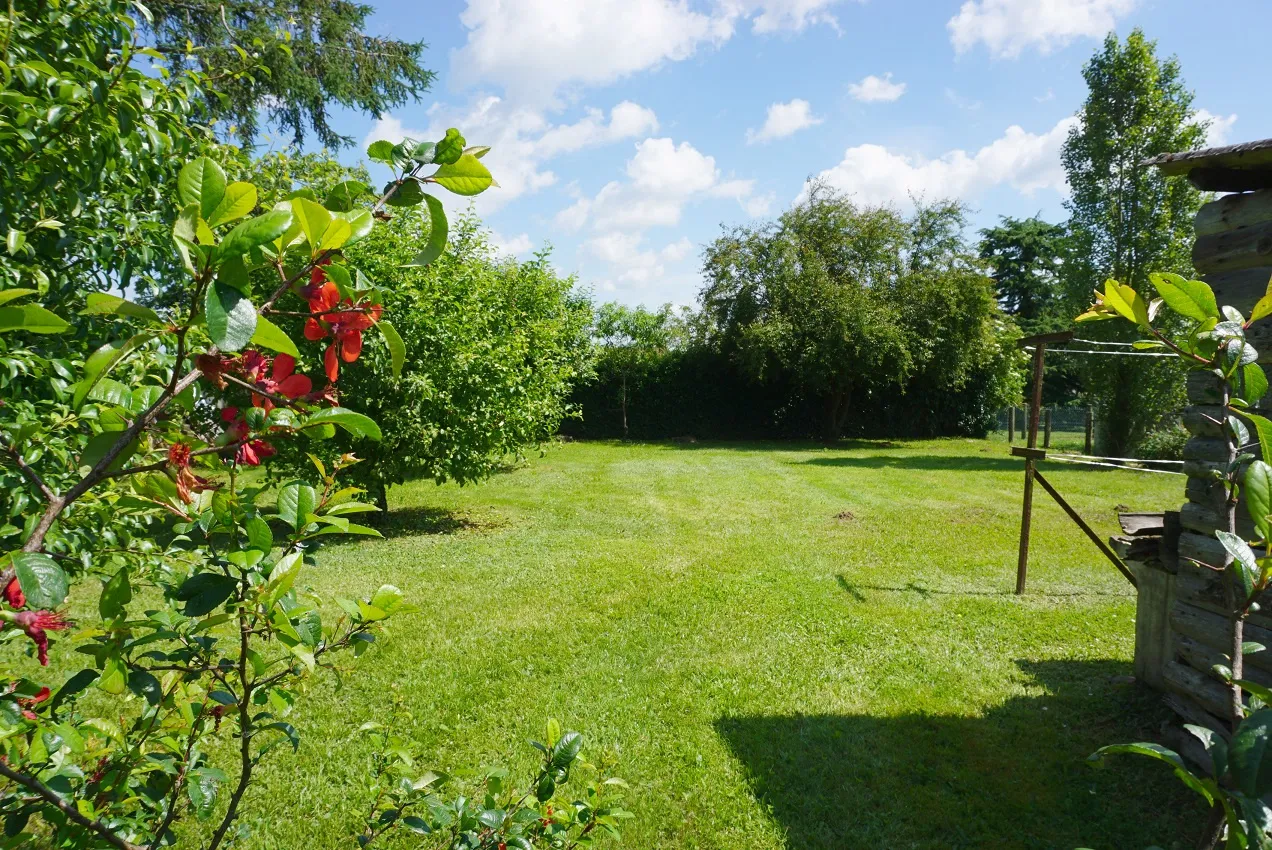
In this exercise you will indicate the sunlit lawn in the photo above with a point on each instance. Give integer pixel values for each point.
(785, 646)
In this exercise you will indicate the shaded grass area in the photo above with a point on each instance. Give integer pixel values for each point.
(784, 646)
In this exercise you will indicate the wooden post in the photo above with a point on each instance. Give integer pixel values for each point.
(1011, 425)
(1046, 434)
(1090, 431)
(1026, 510)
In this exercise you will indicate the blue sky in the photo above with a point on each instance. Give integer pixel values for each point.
(626, 132)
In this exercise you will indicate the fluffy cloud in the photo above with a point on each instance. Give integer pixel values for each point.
(783, 120)
(516, 246)
(522, 139)
(533, 48)
(1008, 27)
(662, 178)
(873, 89)
(1026, 161)
(626, 253)
(1220, 127)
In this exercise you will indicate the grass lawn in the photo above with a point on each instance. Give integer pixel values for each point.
(785, 646)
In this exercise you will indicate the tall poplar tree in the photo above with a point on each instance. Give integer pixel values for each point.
(1127, 220)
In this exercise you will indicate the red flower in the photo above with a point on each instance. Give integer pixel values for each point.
(36, 625)
(229, 414)
(251, 453)
(29, 703)
(213, 365)
(281, 380)
(253, 365)
(345, 324)
(13, 594)
(187, 482)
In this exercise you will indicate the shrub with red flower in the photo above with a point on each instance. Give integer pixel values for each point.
(340, 319)
(187, 482)
(36, 625)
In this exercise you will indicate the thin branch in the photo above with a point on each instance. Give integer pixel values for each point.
(31, 474)
(50, 796)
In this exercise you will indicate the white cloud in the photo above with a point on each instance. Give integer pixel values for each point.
(533, 48)
(960, 101)
(522, 139)
(517, 246)
(1026, 161)
(873, 89)
(784, 119)
(1008, 27)
(662, 178)
(1217, 133)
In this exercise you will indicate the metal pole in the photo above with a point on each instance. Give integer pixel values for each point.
(1026, 511)
(1011, 425)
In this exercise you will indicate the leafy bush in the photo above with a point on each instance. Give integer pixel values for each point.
(1166, 443)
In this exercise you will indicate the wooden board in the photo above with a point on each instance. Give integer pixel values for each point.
(1233, 211)
(1211, 630)
(1244, 248)
(1247, 155)
(1241, 288)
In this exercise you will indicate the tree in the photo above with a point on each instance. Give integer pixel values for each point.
(630, 340)
(1026, 255)
(309, 55)
(841, 300)
(1127, 220)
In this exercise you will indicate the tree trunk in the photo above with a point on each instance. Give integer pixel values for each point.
(623, 403)
(380, 490)
(837, 408)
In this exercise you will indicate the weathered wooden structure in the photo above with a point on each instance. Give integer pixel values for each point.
(1181, 628)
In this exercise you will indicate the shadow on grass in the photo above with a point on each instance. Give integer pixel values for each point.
(945, 463)
(754, 445)
(854, 589)
(1014, 777)
(409, 522)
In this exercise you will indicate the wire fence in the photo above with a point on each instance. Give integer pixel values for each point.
(1069, 435)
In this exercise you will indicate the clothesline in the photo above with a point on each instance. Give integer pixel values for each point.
(1104, 353)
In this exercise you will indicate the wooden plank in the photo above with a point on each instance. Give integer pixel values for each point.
(1209, 449)
(1241, 288)
(1202, 387)
(1200, 547)
(1143, 550)
(1207, 692)
(1025, 451)
(1189, 710)
(1244, 155)
(1212, 630)
(1044, 339)
(1202, 420)
(1231, 250)
(1233, 211)
(1095, 538)
(1154, 637)
(1142, 523)
(1207, 519)
(1211, 179)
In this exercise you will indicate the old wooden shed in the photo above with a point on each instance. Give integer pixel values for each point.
(1181, 628)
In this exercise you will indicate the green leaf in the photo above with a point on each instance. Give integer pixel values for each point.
(7, 295)
(344, 196)
(423, 152)
(1248, 755)
(296, 501)
(201, 182)
(314, 220)
(203, 784)
(231, 317)
(1244, 561)
(381, 151)
(465, 176)
(204, 592)
(43, 582)
(97, 446)
(271, 336)
(102, 304)
(1126, 302)
(388, 598)
(1254, 383)
(258, 534)
(436, 236)
(1190, 298)
(450, 149)
(335, 236)
(1263, 307)
(257, 231)
(361, 223)
(407, 194)
(1216, 748)
(1257, 488)
(101, 361)
(357, 424)
(1263, 428)
(31, 318)
(116, 594)
(185, 235)
(1156, 751)
(239, 200)
(146, 686)
(397, 348)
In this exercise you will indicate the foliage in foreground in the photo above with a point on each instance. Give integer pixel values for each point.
(1213, 340)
